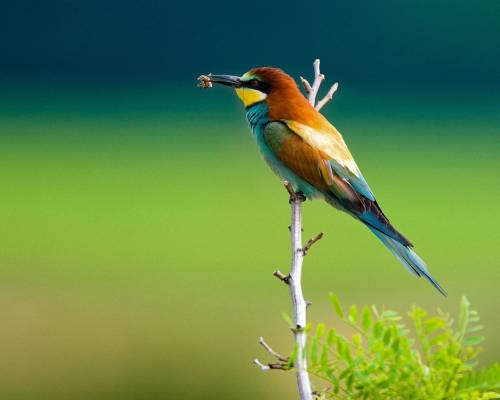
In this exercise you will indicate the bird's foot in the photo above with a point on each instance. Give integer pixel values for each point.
(297, 197)
(301, 196)
(294, 196)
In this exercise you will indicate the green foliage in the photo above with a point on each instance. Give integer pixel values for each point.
(383, 359)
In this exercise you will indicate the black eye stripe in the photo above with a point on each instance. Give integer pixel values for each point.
(258, 85)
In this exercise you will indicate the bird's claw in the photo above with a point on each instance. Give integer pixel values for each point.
(298, 196)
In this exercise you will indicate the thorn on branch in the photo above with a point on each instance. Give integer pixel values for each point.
(298, 329)
(271, 351)
(310, 243)
(282, 277)
(267, 367)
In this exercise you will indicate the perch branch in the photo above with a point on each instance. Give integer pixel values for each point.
(294, 278)
(298, 301)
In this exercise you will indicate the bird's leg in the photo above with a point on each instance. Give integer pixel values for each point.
(294, 196)
(299, 196)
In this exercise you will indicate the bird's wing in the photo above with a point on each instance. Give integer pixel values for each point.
(310, 163)
(329, 141)
(324, 161)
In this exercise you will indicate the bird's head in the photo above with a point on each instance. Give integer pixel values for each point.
(260, 84)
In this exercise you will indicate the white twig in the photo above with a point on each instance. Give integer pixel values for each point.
(263, 367)
(281, 276)
(328, 97)
(271, 351)
(312, 90)
(318, 78)
(267, 367)
(298, 302)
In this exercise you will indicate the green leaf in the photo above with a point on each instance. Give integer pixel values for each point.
(336, 305)
(331, 337)
(340, 347)
(395, 344)
(383, 359)
(473, 340)
(440, 339)
(388, 314)
(431, 325)
(490, 395)
(323, 360)
(287, 319)
(387, 337)
(293, 356)
(357, 340)
(476, 328)
(378, 329)
(353, 314)
(314, 351)
(366, 319)
(320, 330)
(463, 316)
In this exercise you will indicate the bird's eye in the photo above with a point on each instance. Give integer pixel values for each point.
(254, 82)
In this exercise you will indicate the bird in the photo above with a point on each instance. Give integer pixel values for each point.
(304, 149)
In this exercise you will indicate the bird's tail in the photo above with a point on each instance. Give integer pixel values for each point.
(406, 256)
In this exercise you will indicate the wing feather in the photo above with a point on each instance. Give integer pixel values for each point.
(330, 141)
(335, 178)
(310, 163)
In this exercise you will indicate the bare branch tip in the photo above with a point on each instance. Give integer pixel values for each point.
(306, 84)
(263, 367)
(282, 277)
(289, 189)
(311, 242)
(267, 367)
(275, 354)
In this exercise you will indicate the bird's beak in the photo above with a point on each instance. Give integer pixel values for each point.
(227, 80)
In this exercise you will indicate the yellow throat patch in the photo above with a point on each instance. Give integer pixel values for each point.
(250, 96)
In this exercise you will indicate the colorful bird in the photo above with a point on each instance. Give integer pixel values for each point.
(303, 148)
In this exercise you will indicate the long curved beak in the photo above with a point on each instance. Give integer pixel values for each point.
(226, 80)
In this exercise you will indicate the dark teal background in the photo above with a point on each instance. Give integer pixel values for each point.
(426, 42)
(139, 227)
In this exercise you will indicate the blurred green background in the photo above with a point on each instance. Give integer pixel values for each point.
(139, 226)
